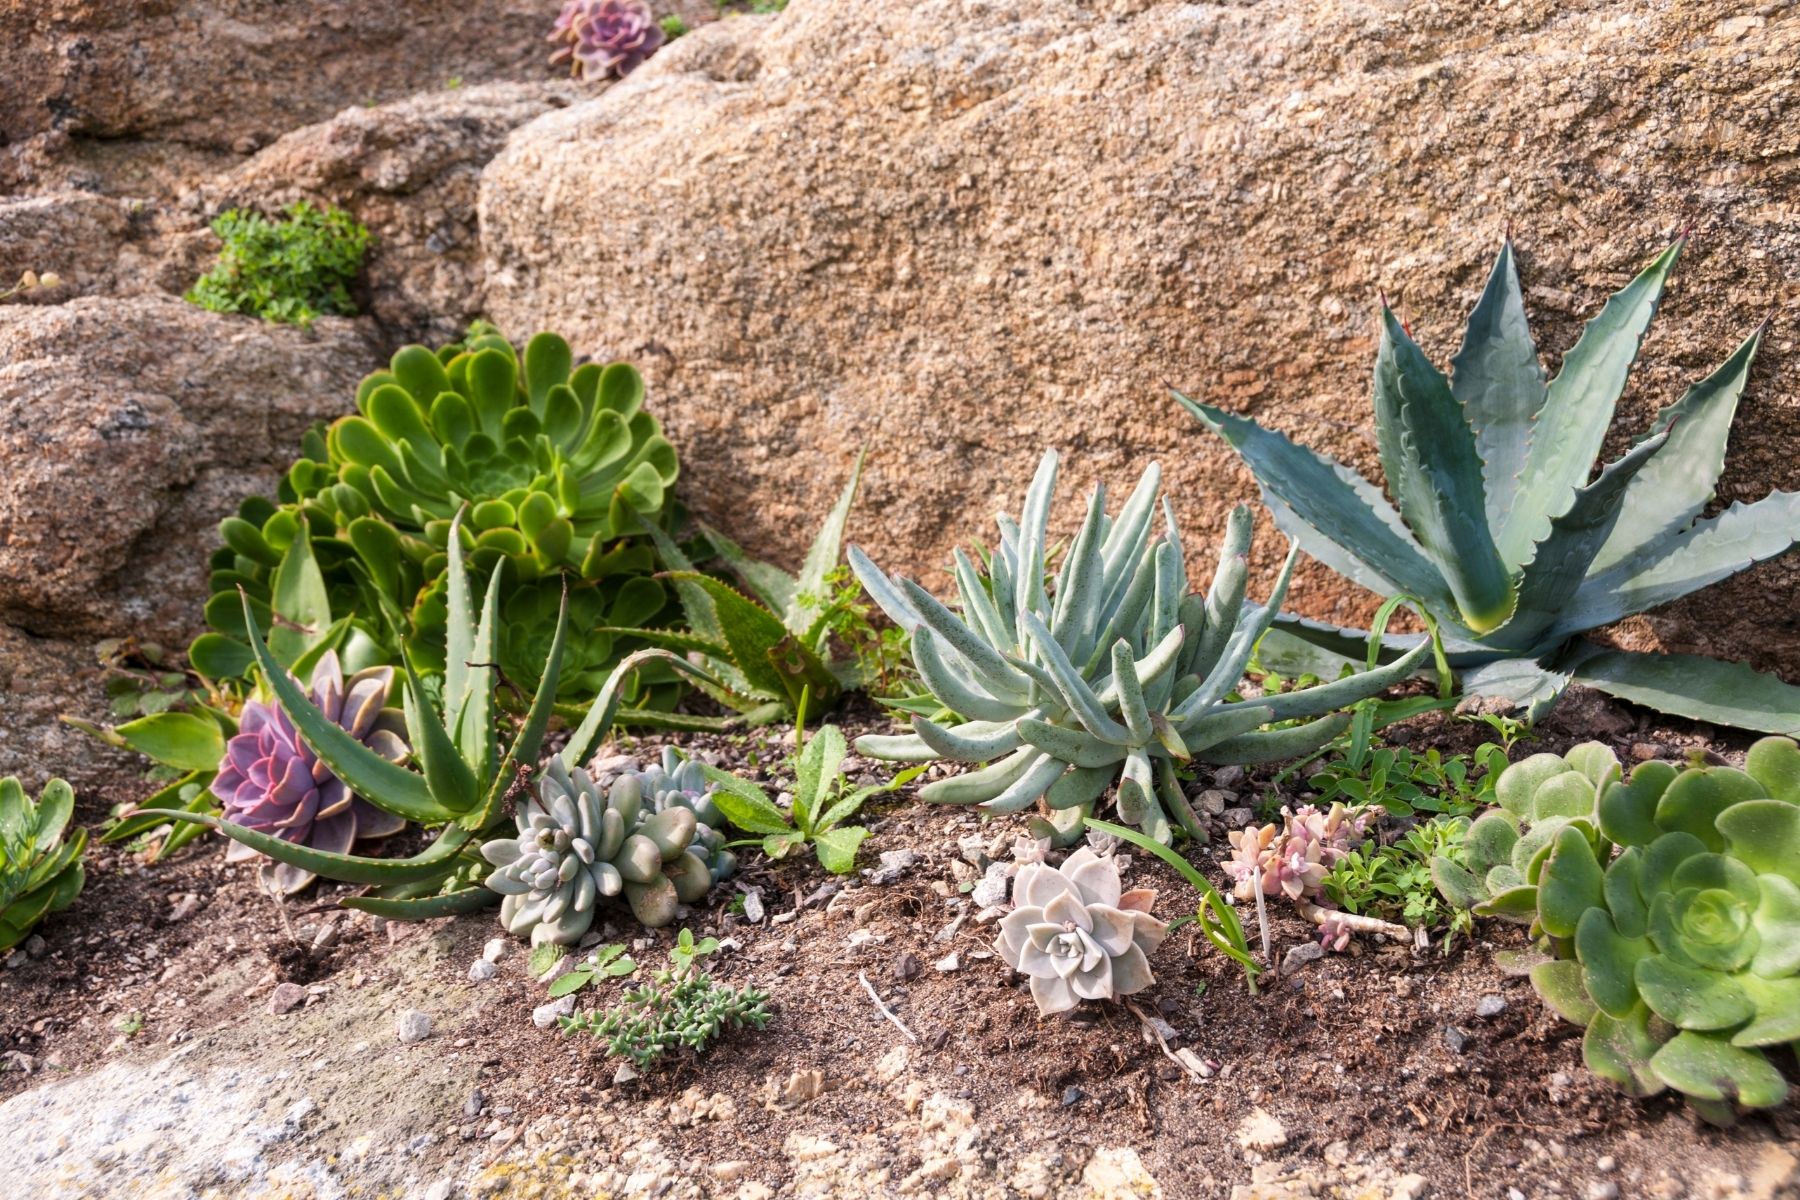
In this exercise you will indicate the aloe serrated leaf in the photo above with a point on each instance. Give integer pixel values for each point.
(1336, 515)
(1678, 483)
(1428, 453)
(605, 708)
(450, 904)
(391, 788)
(1567, 436)
(346, 868)
(1497, 379)
(1702, 689)
(749, 629)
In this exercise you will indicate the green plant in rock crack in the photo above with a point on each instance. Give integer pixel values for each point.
(291, 270)
(822, 800)
(41, 871)
(768, 653)
(1681, 955)
(465, 773)
(1113, 670)
(1500, 531)
(554, 465)
(1505, 848)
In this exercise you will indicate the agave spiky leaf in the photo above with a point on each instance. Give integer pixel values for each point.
(1499, 531)
(1117, 673)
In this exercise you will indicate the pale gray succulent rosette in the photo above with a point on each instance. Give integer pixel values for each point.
(579, 843)
(1078, 934)
(676, 781)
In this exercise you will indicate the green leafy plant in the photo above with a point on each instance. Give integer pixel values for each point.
(606, 962)
(292, 270)
(681, 1008)
(465, 775)
(555, 468)
(41, 872)
(767, 654)
(1681, 955)
(1114, 672)
(686, 950)
(1394, 882)
(1505, 848)
(822, 800)
(1216, 919)
(1500, 531)
(141, 679)
(1402, 781)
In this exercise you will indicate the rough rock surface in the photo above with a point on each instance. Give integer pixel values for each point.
(238, 73)
(128, 428)
(956, 231)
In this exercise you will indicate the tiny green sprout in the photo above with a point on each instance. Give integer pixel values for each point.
(131, 1024)
(686, 950)
(608, 962)
(673, 26)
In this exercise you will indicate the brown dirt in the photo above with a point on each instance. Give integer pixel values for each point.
(1354, 1049)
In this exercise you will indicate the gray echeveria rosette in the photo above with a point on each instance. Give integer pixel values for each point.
(271, 781)
(1078, 934)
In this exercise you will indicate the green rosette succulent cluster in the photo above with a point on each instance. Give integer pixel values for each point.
(1672, 908)
(557, 466)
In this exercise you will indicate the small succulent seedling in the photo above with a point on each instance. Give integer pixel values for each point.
(681, 1007)
(1501, 525)
(41, 871)
(606, 962)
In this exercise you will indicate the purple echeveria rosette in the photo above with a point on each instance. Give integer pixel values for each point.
(272, 782)
(605, 37)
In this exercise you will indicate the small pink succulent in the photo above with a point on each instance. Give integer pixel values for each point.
(598, 38)
(1295, 859)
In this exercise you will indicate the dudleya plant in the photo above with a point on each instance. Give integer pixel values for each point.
(270, 780)
(1499, 531)
(1113, 670)
(1077, 934)
(553, 465)
(578, 844)
(41, 871)
(602, 38)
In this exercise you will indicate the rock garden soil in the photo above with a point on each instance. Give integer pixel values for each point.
(179, 1034)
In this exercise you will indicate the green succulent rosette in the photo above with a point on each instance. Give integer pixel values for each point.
(557, 464)
(1681, 954)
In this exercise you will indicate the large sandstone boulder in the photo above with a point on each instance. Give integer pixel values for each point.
(956, 232)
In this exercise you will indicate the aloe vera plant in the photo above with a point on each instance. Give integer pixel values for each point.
(1681, 955)
(773, 647)
(1497, 528)
(1113, 670)
(464, 772)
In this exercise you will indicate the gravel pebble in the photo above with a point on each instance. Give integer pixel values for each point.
(544, 1015)
(286, 998)
(1490, 1005)
(481, 970)
(414, 1025)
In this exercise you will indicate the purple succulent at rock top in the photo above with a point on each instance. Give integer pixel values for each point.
(605, 37)
(271, 781)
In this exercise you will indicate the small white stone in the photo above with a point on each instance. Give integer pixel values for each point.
(414, 1025)
(496, 949)
(948, 963)
(1410, 1187)
(482, 970)
(544, 1015)
(1261, 1131)
(1603, 1189)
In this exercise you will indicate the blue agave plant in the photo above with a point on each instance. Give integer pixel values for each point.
(1497, 528)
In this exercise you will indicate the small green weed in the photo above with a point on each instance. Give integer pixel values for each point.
(1394, 882)
(292, 270)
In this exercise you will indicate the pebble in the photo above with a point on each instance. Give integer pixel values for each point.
(1603, 1189)
(991, 890)
(625, 1074)
(753, 905)
(989, 915)
(36, 946)
(1238, 817)
(1261, 1131)
(414, 1025)
(1072, 1095)
(1490, 1005)
(948, 963)
(1606, 1164)
(1299, 956)
(544, 1015)
(475, 1103)
(894, 864)
(443, 1189)
(1228, 776)
(907, 968)
(1513, 1193)
(1455, 1039)
(1213, 801)
(286, 998)
(481, 970)
(1409, 1187)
